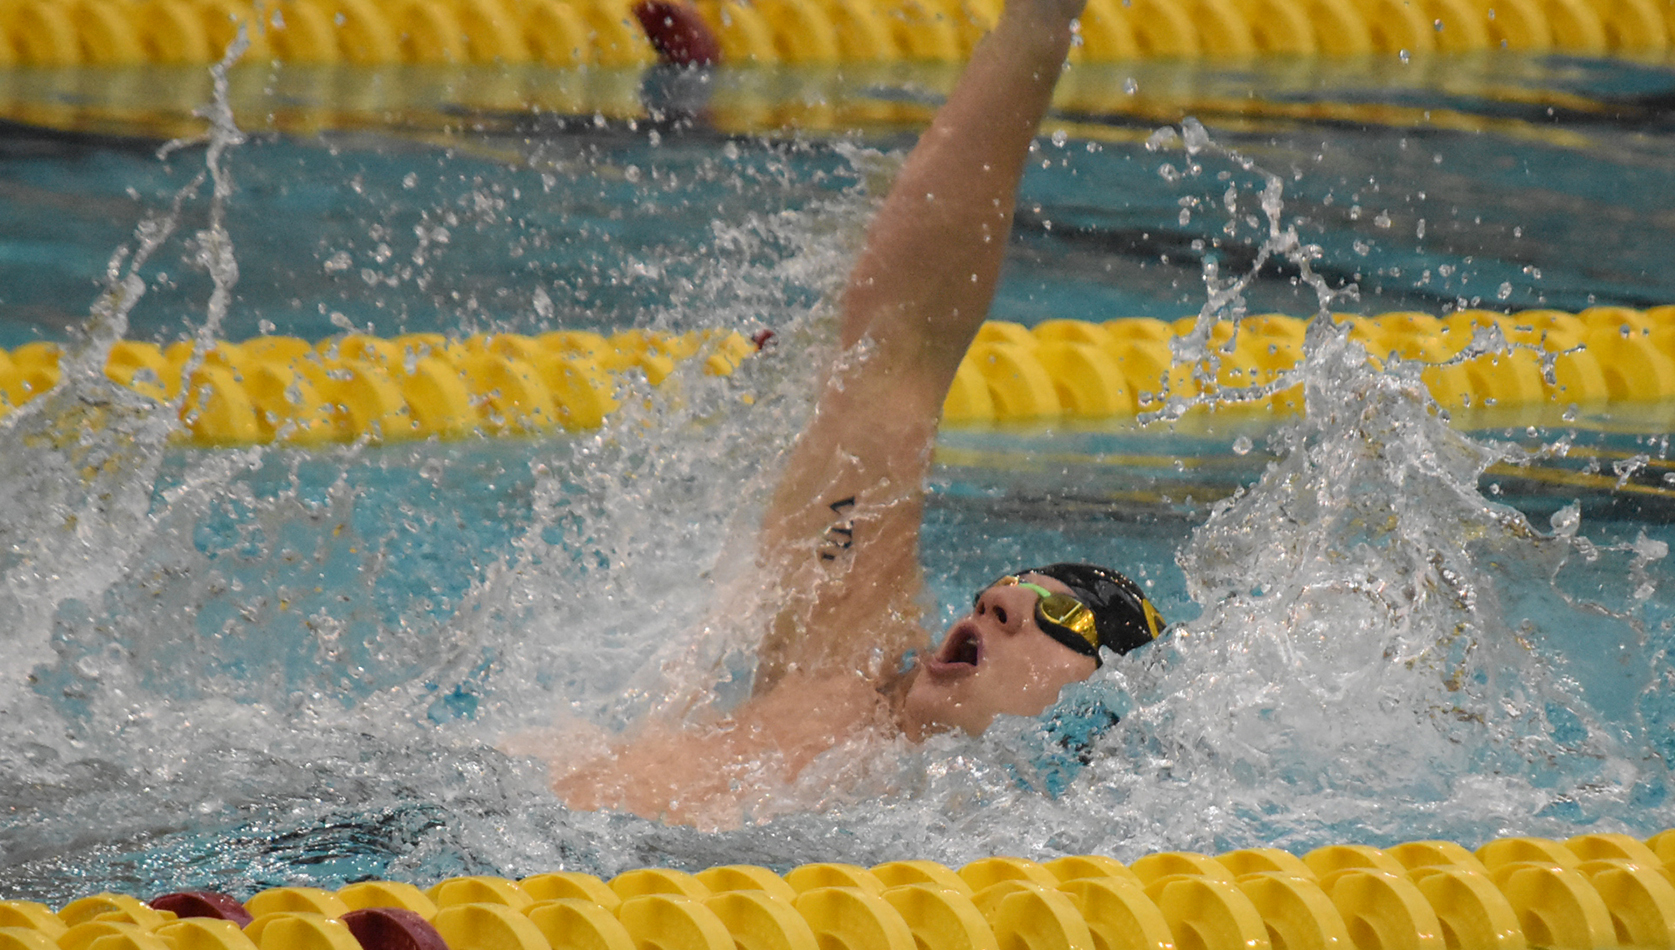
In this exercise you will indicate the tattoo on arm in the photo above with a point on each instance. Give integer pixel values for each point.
(840, 537)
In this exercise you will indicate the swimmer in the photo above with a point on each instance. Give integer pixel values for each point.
(838, 551)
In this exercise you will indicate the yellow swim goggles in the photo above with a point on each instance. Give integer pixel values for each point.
(1060, 616)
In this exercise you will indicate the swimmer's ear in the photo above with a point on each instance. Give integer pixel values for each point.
(678, 33)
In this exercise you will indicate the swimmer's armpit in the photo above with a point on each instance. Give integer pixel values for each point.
(840, 537)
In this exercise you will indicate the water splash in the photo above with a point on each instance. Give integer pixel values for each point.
(1372, 663)
(81, 460)
(237, 676)
(1358, 671)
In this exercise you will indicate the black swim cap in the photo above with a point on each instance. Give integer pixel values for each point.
(1122, 615)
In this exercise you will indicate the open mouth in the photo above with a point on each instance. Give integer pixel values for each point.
(961, 652)
(962, 648)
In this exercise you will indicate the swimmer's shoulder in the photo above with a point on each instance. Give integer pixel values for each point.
(806, 714)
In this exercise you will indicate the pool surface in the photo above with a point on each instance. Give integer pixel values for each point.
(263, 665)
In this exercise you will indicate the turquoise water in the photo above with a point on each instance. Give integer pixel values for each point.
(244, 668)
(1560, 195)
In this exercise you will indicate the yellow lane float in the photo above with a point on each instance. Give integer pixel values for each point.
(284, 389)
(1592, 892)
(1066, 369)
(576, 33)
(346, 388)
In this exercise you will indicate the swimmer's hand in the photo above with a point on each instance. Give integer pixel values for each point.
(678, 33)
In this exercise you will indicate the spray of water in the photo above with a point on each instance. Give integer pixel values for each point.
(214, 638)
(82, 459)
(1355, 673)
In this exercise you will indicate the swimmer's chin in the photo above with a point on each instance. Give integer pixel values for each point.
(919, 715)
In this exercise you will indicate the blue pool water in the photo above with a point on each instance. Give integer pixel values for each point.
(1528, 166)
(238, 668)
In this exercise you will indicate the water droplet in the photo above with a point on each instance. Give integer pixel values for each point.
(1196, 137)
(1162, 138)
(1566, 520)
(1437, 24)
(1242, 445)
(1060, 137)
(1503, 291)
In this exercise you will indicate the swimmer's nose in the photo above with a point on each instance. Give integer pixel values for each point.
(1001, 604)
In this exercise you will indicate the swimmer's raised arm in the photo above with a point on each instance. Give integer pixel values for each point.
(841, 536)
(839, 560)
(925, 280)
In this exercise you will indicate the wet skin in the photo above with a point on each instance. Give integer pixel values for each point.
(993, 660)
(838, 550)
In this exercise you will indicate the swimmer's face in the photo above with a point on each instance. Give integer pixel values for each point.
(994, 660)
